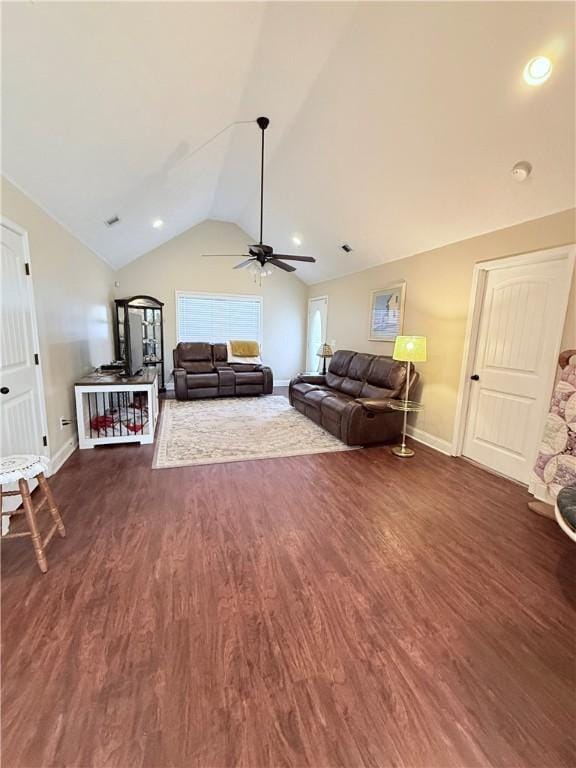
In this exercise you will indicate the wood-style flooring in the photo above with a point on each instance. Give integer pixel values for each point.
(346, 609)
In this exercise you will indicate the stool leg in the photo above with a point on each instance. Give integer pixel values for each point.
(31, 520)
(47, 491)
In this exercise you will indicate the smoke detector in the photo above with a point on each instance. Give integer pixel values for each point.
(521, 170)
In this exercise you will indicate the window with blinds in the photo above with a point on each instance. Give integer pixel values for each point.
(218, 317)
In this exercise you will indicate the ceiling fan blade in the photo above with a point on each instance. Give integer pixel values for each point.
(294, 258)
(244, 263)
(224, 255)
(281, 265)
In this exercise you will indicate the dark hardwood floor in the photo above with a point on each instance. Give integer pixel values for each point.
(345, 609)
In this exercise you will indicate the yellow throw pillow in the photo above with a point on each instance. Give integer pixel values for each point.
(245, 348)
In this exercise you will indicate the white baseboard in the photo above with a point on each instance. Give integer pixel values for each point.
(443, 446)
(63, 454)
(540, 492)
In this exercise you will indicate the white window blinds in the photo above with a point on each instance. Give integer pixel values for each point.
(218, 318)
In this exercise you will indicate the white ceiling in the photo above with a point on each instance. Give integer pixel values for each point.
(393, 125)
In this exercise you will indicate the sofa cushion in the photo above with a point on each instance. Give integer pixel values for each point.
(359, 366)
(194, 357)
(197, 380)
(301, 389)
(351, 386)
(340, 362)
(316, 396)
(220, 354)
(334, 405)
(386, 373)
(249, 377)
(244, 367)
(334, 381)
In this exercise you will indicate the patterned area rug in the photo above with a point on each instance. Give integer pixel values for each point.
(236, 429)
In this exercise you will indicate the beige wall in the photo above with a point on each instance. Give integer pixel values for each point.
(178, 265)
(438, 287)
(72, 289)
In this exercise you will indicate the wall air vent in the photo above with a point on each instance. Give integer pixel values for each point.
(346, 248)
(111, 221)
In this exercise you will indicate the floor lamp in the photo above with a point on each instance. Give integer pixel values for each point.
(407, 349)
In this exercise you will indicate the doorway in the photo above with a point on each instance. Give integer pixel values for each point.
(317, 316)
(22, 411)
(517, 317)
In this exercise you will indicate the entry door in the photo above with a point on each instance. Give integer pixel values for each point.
(521, 323)
(20, 405)
(317, 314)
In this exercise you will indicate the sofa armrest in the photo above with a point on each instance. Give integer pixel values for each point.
(374, 405)
(268, 384)
(180, 388)
(309, 379)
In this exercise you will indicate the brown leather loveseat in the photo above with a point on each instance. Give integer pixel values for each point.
(202, 370)
(350, 400)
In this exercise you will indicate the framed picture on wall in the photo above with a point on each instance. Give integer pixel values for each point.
(387, 312)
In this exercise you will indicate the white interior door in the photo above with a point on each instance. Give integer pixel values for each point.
(21, 407)
(520, 328)
(317, 314)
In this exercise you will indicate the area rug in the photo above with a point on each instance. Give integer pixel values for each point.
(236, 429)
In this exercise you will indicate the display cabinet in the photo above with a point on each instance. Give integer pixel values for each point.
(152, 331)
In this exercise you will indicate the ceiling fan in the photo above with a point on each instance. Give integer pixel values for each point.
(260, 255)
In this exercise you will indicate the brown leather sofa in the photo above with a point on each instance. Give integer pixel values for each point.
(350, 400)
(202, 370)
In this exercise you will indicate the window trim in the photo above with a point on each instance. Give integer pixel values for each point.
(211, 294)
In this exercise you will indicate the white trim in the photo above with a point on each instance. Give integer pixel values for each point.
(63, 454)
(251, 296)
(114, 267)
(18, 230)
(540, 491)
(563, 253)
(443, 446)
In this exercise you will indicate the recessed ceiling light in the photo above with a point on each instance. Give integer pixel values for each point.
(521, 170)
(296, 240)
(538, 70)
(157, 223)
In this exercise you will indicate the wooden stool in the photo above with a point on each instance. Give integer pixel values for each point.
(20, 469)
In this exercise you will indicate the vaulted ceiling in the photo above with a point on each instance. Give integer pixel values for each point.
(394, 126)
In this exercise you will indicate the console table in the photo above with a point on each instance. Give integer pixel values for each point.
(114, 408)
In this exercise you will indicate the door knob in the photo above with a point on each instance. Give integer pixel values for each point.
(475, 377)
(4, 390)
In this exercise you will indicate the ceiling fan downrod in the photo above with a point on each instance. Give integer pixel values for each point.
(263, 123)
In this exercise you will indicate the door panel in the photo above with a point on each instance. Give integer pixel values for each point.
(20, 405)
(520, 325)
(317, 312)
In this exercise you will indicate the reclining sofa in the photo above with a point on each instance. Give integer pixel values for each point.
(202, 370)
(350, 401)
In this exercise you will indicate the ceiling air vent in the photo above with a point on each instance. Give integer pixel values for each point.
(346, 248)
(111, 221)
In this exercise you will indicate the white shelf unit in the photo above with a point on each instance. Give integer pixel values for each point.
(111, 410)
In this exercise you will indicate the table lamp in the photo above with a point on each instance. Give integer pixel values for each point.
(324, 351)
(408, 349)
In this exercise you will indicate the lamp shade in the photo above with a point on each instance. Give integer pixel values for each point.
(325, 350)
(410, 348)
